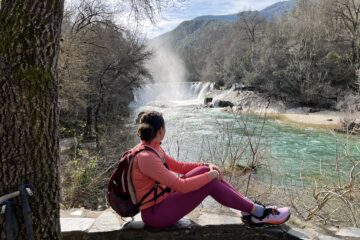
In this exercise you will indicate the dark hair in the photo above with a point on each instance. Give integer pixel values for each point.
(150, 123)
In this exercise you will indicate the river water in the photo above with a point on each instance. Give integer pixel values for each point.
(287, 154)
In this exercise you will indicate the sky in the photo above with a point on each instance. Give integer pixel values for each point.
(172, 17)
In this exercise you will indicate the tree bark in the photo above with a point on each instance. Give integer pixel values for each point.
(29, 145)
(89, 121)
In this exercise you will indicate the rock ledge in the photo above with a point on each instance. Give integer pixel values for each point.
(202, 223)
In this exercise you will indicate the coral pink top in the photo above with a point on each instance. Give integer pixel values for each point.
(148, 168)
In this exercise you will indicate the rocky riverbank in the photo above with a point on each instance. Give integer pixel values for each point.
(239, 101)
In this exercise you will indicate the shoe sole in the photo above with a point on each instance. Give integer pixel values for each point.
(246, 220)
(269, 224)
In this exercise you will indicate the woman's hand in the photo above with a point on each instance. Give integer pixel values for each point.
(213, 167)
(214, 174)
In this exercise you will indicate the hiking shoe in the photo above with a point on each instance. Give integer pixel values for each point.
(246, 217)
(272, 216)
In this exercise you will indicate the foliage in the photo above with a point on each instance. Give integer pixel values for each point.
(77, 180)
(100, 63)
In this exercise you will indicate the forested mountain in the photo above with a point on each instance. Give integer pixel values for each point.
(305, 51)
(199, 37)
(194, 41)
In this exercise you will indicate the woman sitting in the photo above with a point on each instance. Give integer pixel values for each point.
(199, 180)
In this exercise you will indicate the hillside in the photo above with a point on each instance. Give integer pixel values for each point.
(297, 57)
(196, 39)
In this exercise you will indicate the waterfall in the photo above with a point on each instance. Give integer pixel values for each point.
(205, 89)
(169, 75)
(170, 92)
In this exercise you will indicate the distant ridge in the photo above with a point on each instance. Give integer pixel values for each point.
(188, 29)
(275, 10)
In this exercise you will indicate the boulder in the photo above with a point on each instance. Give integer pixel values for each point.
(222, 103)
(207, 100)
(237, 86)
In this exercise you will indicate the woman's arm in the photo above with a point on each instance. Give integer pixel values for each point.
(184, 167)
(151, 166)
(179, 167)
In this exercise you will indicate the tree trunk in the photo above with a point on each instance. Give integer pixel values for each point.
(97, 128)
(354, 52)
(29, 145)
(89, 121)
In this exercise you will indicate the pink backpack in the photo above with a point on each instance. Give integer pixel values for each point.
(121, 193)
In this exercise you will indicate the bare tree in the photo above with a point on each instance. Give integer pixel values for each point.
(110, 61)
(348, 11)
(89, 12)
(149, 9)
(251, 23)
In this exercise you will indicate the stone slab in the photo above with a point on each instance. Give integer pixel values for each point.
(107, 221)
(228, 232)
(349, 232)
(76, 224)
(214, 219)
(77, 213)
(300, 233)
(324, 237)
(183, 223)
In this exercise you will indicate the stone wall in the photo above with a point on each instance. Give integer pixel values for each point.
(202, 223)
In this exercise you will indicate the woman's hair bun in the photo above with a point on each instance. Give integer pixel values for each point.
(146, 132)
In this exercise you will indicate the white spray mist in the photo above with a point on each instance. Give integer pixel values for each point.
(165, 66)
(168, 78)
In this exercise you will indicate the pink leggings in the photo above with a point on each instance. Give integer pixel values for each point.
(177, 205)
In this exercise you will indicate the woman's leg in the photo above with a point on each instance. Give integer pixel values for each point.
(200, 170)
(177, 205)
(203, 169)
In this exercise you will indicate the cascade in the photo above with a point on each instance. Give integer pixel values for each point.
(169, 75)
(168, 92)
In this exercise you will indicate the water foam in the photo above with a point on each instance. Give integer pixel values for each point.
(171, 93)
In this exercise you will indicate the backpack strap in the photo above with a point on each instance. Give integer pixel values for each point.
(148, 148)
(156, 195)
(157, 184)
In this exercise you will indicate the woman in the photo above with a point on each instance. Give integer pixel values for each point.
(199, 181)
